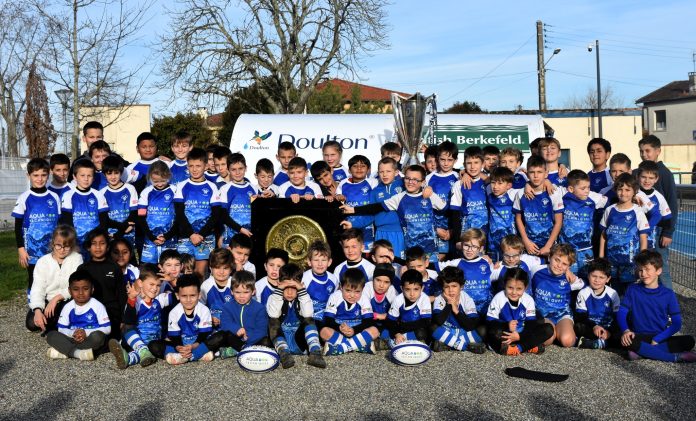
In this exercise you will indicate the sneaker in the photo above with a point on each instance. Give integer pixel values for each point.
(227, 352)
(633, 356)
(146, 357)
(510, 350)
(686, 357)
(53, 354)
(438, 346)
(286, 359)
(85, 355)
(368, 350)
(476, 348)
(175, 358)
(586, 343)
(208, 356)
(316, 360)
(381, 344)
(539, 349)
(330, 349)
(119, 354)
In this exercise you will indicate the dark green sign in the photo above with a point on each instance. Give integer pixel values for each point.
(502, 136)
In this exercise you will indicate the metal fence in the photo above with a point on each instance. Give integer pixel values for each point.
(13, 181)
(685, 177)
(682, 257)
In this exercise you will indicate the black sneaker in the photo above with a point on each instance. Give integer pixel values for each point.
(586, 343)
(439, 347)
(476, 348)
(381, 344)
(286, 359)
(316, 360)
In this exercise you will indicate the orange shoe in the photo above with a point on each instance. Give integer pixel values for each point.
(510, 350)
(537, 349)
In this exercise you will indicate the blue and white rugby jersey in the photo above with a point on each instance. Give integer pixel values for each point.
(502, 310)
(623, 229)
(90, 317)
(85, 208)
(137, 170)
(466, 306)
(343, 312)
(99, 180)
(660, 212)
(578, 219)
(387, 221)
(472, 204)
(417, 218)
(600, 309)
(188, 327)
(214, 296)
(310, 187)
(150, 316)
(528, 263)
(199, 198)
(382, 304)
(121, 202)
(131, 274)
(442, 183)
(364, 265)
(501, 219)
(158, 207)
(263, 290)
(235, 199)
(40, 213)
(281, 177)
(339, 173)
(421, 309)
(357, 194)
(600, 180)
(320, 288)
(556, 180)
(520, 179)
(477, 276)
(59, 190)
(538, 214)
(179, 169)
(431, 287)
(552, 292)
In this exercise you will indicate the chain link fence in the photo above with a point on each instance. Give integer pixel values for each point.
(682, 257)
(13, 181)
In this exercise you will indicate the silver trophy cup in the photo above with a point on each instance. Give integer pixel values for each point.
(409, 116)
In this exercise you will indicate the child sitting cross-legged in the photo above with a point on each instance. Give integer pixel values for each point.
(409, 315)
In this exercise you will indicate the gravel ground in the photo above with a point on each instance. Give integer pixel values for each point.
(450, 386)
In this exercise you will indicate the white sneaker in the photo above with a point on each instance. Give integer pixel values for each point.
(84, 355)
(174, 358)
(53, 354)
(208, 356)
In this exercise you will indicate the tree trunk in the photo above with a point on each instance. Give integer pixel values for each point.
(75, 145)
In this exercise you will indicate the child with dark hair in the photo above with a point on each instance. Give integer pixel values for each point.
(83, 324)
(156, 215)
(210, 172)
(98, 151)
(298, 187)
(469, 194)
(455, 319)
(660, 213)
(387, 223)
(352, 245)
(136, 173)
(121, 198)
(332, 153)
(512, 158)
(291, 326)
(513, 325)
(596, 308)
(240, 246)
(264, 178)
(430, 159)
(491, 156)
(381, 294)
(60, 170)
(649, 316)
(410, 313)
(286, 152)
(599, 150)
(501, 219)
(392, 150)
(356, 190)
(121, 252)
(319, 282)
(169, 266)
(235, 199)
(441, 181)
(221, 160)
(217, 289)
(275, 259)
(321, 174)
(417, 259)
(348, 318)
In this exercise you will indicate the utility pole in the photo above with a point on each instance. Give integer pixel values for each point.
(599, 92)
(541, 71)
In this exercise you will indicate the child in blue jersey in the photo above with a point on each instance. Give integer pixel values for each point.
(430, 159)
(298, 187)
(417, 259)
(221, 159)
(210, 173)
(286, 152)
(469, 194)
(511, 158)
(142, 331)
(415, 209)
(235, 199)
(243, 322)
(275, 259)
(410, 313)
(60, 168)
(181, 146)
(599, 150)
(291, 326)
(352, 245)
(381, 294)
(392, 150)
(552, 285)
(618, 164)
(83, 207)
(216, 291)
(196, 203)
(660, 214)
(332, 152)
(387, 223)
(36, 215)
(513, 256)
(98, 151)
(491, 158)
(513, 325)
(348, 319)
(550, 149)
(169, 269)
(538, 220)
(83, 324)
(649, 316)
(121, 198)
(455, 319)
(441, 182)
(121, 252)
(136, 173)
(240, 246)
(156, 214)
(580, 205)
(476, 268)
(321, 174)
(264, 178)
(356, 191)
(317, 280)
(501, 219)
(189, 325)
(596, 307)
(624, 233)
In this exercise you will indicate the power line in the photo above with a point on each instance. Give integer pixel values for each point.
(620, 35)
(618, 45)
(594, 77)
(442, 82)
(614, 48)
(638, 44)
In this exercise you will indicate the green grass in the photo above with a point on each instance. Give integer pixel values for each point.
(13, 279)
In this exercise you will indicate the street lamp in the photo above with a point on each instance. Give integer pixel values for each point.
(599, 87)
(63, 96)
(542, 79)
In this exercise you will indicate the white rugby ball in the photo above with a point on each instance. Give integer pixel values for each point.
(258, 359)
(411, 352)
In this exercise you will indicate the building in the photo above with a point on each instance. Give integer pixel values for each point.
(670, 114)
(377, 98)
(122, 125)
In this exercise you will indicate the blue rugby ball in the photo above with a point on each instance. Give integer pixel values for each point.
(410, 353)
(258, 359)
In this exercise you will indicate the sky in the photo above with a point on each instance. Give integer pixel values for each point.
(486, 51)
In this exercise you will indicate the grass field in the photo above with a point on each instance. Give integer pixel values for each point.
(13, 279)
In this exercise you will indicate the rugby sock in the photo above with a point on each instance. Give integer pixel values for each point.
(199, 352)
(133, 340)
(444, 335)
(466, 338)
(312, 338)
(280, 344)
(658, 352)
(133, 358)
(361, 340)
(336, 339)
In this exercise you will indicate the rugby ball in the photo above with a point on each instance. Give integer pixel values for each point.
(258, 359)
(411, 353)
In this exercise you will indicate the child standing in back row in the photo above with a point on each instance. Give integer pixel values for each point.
(441, 182)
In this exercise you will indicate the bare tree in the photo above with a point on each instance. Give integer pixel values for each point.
(89, 38)
(38, 129)
(282, 47)
(588, 100)
(22, 40)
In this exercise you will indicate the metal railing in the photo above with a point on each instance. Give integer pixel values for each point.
(684, 177)
(682, 256)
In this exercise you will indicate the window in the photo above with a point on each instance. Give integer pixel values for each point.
(565, 158)
(660, 120)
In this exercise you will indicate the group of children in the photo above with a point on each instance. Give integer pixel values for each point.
(498, 255)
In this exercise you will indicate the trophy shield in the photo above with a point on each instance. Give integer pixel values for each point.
(409, 116)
